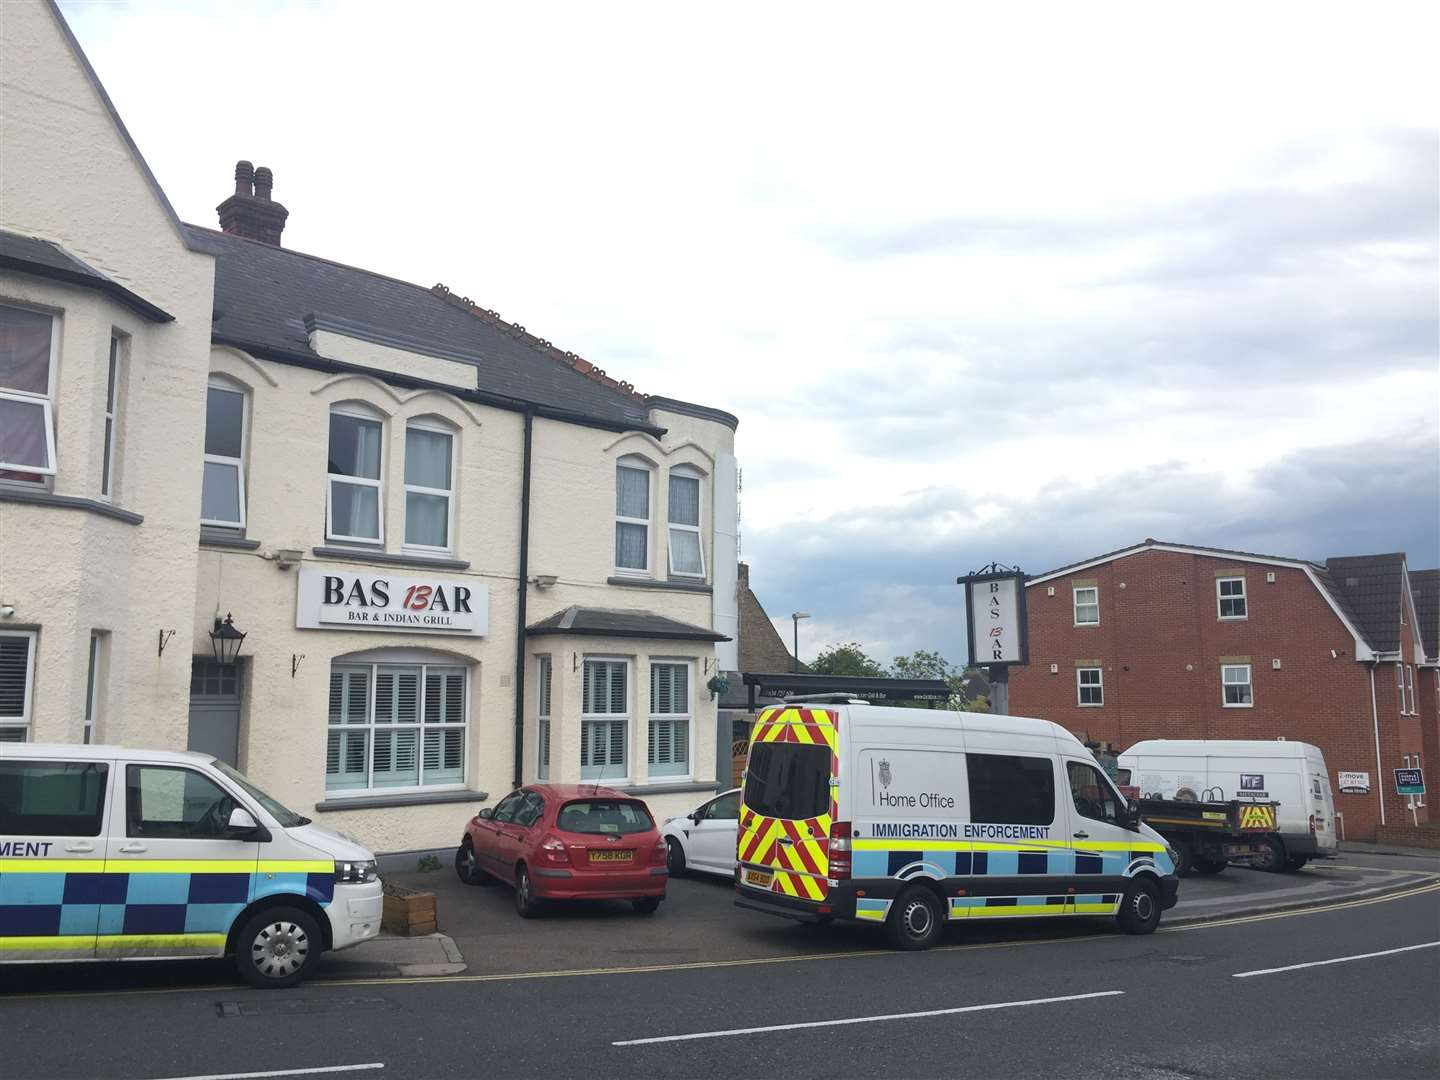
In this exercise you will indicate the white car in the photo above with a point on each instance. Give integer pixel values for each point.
(704, 839)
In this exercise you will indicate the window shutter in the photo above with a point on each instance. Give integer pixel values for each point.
(617, 743)
(14, 670)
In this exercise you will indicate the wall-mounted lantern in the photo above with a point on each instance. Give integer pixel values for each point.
(226, 640)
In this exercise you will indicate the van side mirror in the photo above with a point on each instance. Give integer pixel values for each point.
(242, 824)
(486, 813)
(1130, 817)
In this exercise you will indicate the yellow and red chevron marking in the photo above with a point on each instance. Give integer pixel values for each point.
(801, 862)
(1258, 817)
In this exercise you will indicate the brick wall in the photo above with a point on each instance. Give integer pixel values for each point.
(1160, 645)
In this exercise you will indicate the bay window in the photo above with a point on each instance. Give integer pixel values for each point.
(604, 720)
(354, 507)
(669, 744)
(222, 488)
(632, 515)
(112, 416)
(542, 692)
(17, 684)
(429, 485)
(395, 726)
(687, 553)
(28, 341)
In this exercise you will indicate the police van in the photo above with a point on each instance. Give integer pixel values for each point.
(908, 817)
(108, 853)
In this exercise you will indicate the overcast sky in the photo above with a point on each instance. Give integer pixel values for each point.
(1011, 282)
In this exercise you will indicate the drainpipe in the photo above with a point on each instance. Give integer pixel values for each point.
(1375, 718)
(522, 589)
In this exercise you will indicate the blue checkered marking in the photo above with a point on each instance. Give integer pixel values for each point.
(29, 920)
(218, 889)
(96, 888)
(1034, 862)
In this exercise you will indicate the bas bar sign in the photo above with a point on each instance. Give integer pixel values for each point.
(430, 605)
(1409, 782)
(995, 612)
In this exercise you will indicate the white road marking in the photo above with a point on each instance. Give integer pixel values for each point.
(283, 1072)
(863, 1019)
(1337, 960)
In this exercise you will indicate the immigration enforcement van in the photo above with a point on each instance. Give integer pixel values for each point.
(908, 817)
(1292, 774)
(108, 853)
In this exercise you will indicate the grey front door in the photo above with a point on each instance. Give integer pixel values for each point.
(214, 710)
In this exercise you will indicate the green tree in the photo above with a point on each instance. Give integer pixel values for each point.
(846, 659)
(965, 696)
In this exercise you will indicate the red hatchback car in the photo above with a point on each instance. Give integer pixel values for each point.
(566, 842)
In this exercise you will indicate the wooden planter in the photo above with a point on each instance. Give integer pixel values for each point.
(409, 912)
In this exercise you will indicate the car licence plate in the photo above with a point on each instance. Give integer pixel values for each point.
(759, 878)
(612, 856)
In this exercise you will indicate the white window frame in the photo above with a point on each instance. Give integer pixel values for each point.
(360, 412)
(1081, 686)
(108, 463)
(544, 686)
(47, 402)
(627, 717)
(219, 382)
(1410, 687)
(1400, 685)
(639, 464)
(23, 721)
(371, 728)
(1075, 591)
(686, 472)
(93, 693)
(688, 717)
(1242, 596)
(1249, 682)
(438, 427)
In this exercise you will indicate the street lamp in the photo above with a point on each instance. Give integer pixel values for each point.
(226, 640)
(795, 617)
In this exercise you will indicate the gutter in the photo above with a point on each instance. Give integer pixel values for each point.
(522, 592)
(1375, 718)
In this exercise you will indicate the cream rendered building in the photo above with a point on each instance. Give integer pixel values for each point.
(461, 557)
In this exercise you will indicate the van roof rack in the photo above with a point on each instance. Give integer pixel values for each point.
(825, 699)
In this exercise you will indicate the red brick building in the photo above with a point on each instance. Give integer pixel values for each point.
(1167, 640)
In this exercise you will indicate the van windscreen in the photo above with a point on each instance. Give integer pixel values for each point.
(788, 780)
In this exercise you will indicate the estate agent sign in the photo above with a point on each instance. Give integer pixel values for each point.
(1409, 782)
(1355, 783)
(332, 600)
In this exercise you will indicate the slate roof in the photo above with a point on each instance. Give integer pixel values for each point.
(1371, 586)
(610, 622)
(1149, 542)
(1425, 586)
(264, 296)
(44, 258)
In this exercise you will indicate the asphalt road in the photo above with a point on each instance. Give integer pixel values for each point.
(1189, 1001)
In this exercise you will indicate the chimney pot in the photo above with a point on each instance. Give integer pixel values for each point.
(251, 212)
(264, 182)
(244, 175)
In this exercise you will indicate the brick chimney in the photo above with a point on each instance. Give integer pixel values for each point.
(250, 212)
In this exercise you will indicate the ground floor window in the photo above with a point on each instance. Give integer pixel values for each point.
(17, 684)
(395, 726)
(669, 742)
(604, 720)
(1089, 686)
(542, 693)
(1235, 682)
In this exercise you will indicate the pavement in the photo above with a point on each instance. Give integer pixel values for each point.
(1344, 989)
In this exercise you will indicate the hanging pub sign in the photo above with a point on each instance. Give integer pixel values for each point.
(334, 600)
(995, 616)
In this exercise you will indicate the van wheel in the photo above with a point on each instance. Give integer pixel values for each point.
(467, 867)
(1296, 862)
(277, 947)
(1210, 866)
(674, 857)
(915, 919)
(1139, 908)
(525, 903)
(1184, 858)
(1272, 854)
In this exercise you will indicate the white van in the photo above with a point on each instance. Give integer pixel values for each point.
(910, 817)
(1266, 770)
(108, 853)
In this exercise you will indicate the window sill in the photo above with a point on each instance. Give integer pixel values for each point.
(1231, 618)
(1247, 705)
(217, 539)
(670, 585)
(1087, 626)
(1091, 705)
(417, 798)
(365, 555)
(41, 497)
(672, 788)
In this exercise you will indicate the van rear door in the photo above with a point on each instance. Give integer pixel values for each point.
(787, 804)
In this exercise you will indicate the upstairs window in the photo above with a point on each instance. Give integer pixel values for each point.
(604, 720)
(1087, 605)
(353, 511)
(632, 515)
(27, 385)
(222, 491)
(1230, 596)
(1400, 686)
(1410, 686)
(112, 416)
(1235, 686)
(687, 553)
(669, 753)
(429, 485)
